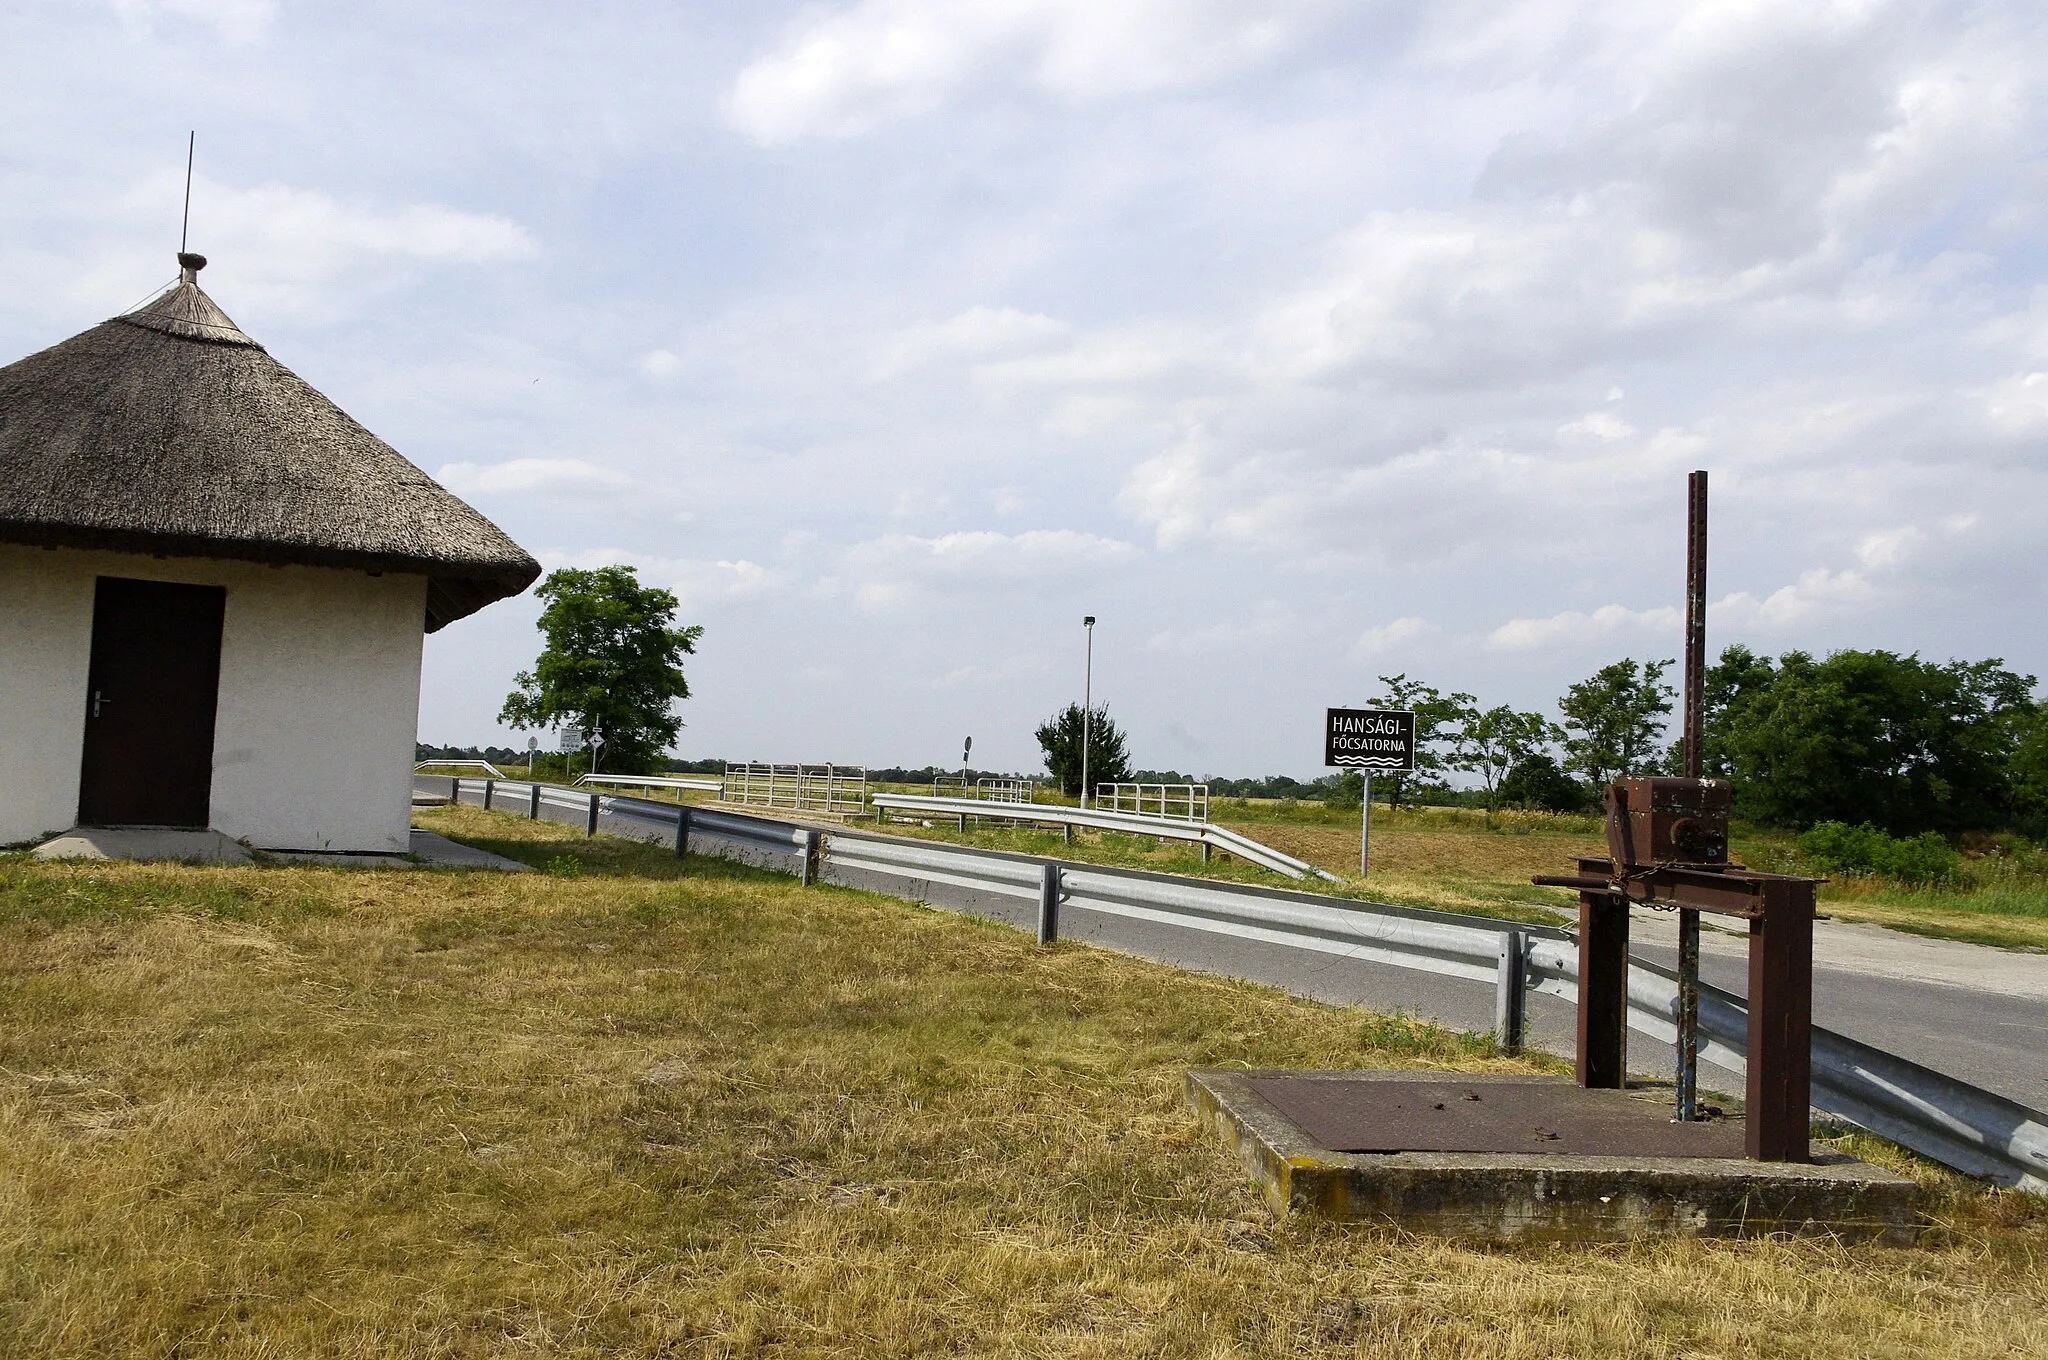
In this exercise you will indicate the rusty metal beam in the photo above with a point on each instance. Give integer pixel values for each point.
(1603, 991)
(1780, 1066)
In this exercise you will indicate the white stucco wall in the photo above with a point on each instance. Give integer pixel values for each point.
(319, 696)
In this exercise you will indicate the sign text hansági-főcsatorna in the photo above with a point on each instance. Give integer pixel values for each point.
(1371, 739)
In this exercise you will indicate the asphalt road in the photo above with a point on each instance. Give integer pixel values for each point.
(1985, 1020)
(1991, 1039)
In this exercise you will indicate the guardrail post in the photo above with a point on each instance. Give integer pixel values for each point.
(590, 827)
(807, 873)
(454, 790)
(1068, 827)
(1780, 1066)
(1510, 994)
(1603, 990)
(533, 804)
(1208, 851)
(490, 787)
(1048, 903)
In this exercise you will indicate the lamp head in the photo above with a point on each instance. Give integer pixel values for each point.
(1088, 621)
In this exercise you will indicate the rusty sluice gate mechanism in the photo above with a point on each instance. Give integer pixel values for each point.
(1667, 847)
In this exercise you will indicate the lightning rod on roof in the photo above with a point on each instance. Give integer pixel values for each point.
(184, 224)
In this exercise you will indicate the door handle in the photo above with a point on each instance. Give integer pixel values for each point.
(97, 700)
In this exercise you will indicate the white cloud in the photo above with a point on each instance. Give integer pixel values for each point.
(527, 476)
(294, 250)
(2016, 407)
(880, 61)
(659, 365)
(314, 234)
(1816, 595)
(235, 21)
(698, 583)
(976, 333)
(898, 568)
(1598, 425)
(1390, 637)
(1573, 627)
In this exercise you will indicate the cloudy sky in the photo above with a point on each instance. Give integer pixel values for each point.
(1298, 342)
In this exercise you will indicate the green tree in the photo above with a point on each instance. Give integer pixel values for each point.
(1537, 781)
(1436, 715)
(1613, 720)
(2028, 773)
(1059, 736)
(1905, 745)
(1343, 792)
(613, 662)
(1491, 743)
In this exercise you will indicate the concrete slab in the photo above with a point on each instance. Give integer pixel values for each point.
(1533, 1197)
(433, 848)
(143, 843)
(427, 848)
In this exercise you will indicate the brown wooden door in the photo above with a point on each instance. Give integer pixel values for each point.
(149, 704)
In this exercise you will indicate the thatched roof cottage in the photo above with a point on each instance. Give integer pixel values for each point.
(213, 589)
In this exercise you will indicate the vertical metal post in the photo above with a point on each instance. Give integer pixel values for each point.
(1208, 852)
(1048, 903)
(1603, 990)
(590, 828)
(1780, 1077)
(807, 874)
(682, 832)
(533, 804)
(1695, 722)
(490, 787)
(1510, 983)
(455, 790)
(1087, 704)
(1364, 822)
(1068, 828)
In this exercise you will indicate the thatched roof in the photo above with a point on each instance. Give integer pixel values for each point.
(169, 431)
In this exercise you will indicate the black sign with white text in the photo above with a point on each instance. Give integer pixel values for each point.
(1370, 739)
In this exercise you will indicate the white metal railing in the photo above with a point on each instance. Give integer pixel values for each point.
(815, 788)
(496, 773)
(998, 790)
(1963, 1126)
(654, 781)
(1206, 834)
(1182, 802)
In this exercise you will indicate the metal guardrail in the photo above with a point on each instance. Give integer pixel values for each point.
(496, 773)
(651, 781)
(1957, 1124)
(1202, 833)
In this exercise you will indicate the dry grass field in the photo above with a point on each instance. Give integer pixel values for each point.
(636, 1107)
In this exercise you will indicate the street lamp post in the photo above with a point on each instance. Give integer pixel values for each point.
(1087, 703)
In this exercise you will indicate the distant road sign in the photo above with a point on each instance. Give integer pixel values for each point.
(1375, 740)
(572, 739)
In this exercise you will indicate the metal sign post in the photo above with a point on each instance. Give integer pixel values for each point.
(1366, 740)
(1688, 1080)
(1087, 703)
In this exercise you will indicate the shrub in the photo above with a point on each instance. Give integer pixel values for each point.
(1839, 848)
